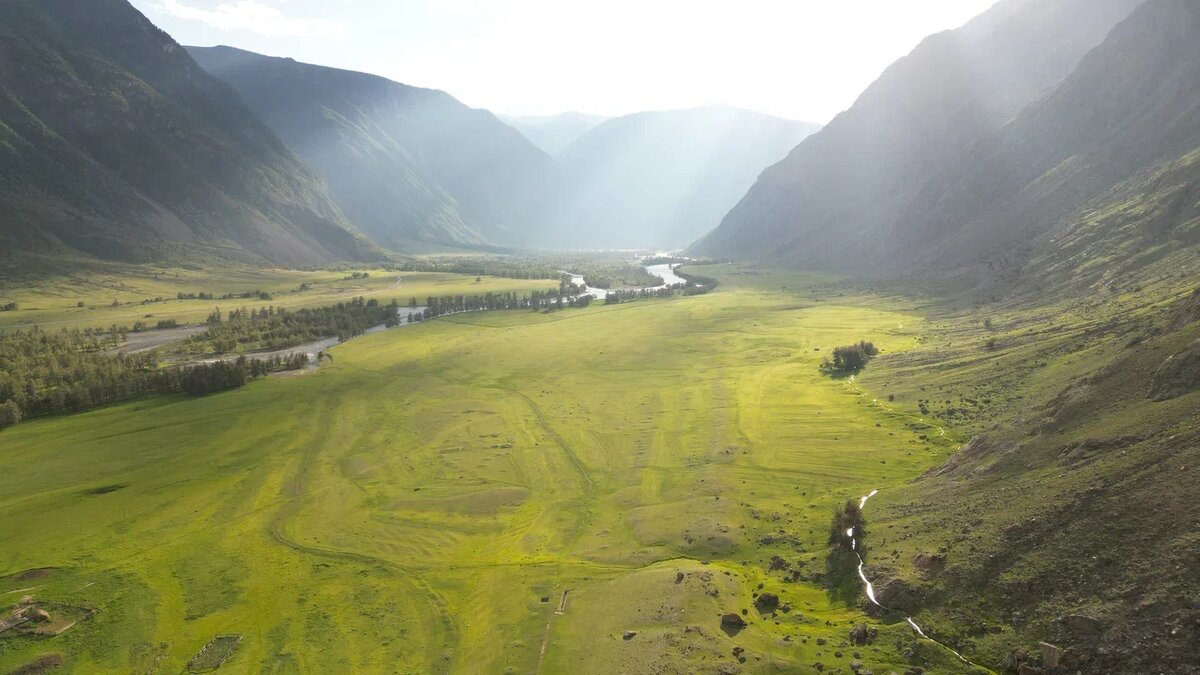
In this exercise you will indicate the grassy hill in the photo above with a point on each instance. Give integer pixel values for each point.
(116, 144)
(411, 167)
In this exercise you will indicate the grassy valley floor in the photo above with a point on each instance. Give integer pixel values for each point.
(497, 492)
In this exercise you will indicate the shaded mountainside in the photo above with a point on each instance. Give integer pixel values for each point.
(661, 179)
(1070, 517)
(1100, 173)
(408, 166)
(553, 133)
(114, 143)
(833, 200)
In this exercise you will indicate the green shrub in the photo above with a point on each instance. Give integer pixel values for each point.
(10, 414)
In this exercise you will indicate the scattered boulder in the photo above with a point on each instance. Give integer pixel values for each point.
(929, 564)
(679, 577)
(732, 623)
(767, 602)
(862, 635)
(1026, 669)
(39, 616)
(901, 595)
(1015, 658)
(1051, 655)
(1083, 626)
(630, 634)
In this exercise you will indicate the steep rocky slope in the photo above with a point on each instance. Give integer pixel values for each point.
(114, 143)
(409, 166)
(833, 201)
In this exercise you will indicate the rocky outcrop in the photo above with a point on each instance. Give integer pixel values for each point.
(1178, 376)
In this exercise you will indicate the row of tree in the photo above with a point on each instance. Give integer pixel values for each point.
(261, 295)
(498, 267)
(566, 296)
(70, 371)
(846, 550)
(275, 328)
(618, 297)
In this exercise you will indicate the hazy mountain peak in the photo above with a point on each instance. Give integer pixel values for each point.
(660, 178)
(552, 133)
(411, 166)
(828, 202)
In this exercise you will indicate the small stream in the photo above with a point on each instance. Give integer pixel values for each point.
(870, 589)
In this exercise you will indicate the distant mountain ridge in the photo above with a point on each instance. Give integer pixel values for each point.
(114, 143)
(833, 203)
(409, 166)
(661, 179)
(553, 133)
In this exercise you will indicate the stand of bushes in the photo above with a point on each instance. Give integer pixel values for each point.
(849, 359)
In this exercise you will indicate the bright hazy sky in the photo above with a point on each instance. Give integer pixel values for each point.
(802, 59)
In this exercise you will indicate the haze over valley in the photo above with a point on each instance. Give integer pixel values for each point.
(373, 337)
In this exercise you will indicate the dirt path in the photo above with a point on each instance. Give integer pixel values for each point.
(875, 402)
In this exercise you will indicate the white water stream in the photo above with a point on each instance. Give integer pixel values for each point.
(870, 589)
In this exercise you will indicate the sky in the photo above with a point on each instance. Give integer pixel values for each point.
(799, 59)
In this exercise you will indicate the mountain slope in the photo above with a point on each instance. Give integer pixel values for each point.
(116, 144)
(830, 201)
(1070, 516)
(660, 179)
(409, 166)
(1119, 128)
(555, 132)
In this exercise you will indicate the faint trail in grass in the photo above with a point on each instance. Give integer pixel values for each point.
(298, 489)
(875, 402)
(572, 457)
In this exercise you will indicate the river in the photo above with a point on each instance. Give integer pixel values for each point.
(665, 271)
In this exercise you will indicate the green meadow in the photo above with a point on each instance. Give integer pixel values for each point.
(102, 295)
(576, 492)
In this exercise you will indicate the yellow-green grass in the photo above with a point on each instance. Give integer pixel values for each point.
(408, 507)
(53, 302)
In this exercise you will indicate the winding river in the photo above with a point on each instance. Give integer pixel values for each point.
(665, 271)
